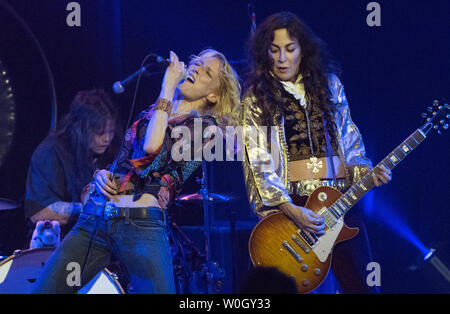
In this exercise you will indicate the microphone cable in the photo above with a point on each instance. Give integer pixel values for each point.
(112, 171)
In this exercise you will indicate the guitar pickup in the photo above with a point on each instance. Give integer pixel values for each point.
(300, 244)
(307, 237)
(291, 250)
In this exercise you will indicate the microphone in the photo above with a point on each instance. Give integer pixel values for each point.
(160, 59)
(119, 86)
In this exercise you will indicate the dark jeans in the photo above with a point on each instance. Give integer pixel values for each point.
(350, 258)
(142, 246)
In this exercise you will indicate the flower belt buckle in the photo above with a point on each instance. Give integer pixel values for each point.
(111, 211)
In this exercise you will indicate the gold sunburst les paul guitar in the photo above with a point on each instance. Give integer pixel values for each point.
(277, 242)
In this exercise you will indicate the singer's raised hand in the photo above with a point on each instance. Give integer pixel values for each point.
(157, 125)
(174, 74)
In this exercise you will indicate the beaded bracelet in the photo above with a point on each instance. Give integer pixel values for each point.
(164, 105)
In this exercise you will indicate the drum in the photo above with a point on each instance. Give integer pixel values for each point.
(20, 271)
(12, 226)
(105, 282)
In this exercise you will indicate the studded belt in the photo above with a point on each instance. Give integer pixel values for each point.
(111, 211)
(306, 187)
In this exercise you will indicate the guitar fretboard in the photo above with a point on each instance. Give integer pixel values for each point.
(359, 189)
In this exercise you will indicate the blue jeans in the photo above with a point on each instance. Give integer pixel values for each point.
(142, 246)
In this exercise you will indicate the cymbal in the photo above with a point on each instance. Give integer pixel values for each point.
(212, 197)
(7, 204)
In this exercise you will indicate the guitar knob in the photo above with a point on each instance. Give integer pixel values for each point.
(305, 283)
(322, 196)
(304, 268)
(317, 271)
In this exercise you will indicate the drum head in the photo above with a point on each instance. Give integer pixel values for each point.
(19, 272)
(104, 282)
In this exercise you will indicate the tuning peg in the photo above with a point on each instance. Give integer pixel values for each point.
(435, 103)
(445, 126)
(436, 128)
(424, 115)
(431, 111)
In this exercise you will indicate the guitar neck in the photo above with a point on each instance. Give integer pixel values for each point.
(359, 189)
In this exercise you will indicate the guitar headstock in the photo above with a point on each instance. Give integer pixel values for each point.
(437, 117)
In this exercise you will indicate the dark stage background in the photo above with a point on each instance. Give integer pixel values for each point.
(391, 73)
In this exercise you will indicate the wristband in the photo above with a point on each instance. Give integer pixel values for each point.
(164, 105)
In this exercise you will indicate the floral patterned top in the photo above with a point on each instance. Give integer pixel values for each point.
(137, 172)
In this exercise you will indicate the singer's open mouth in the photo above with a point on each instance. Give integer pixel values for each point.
(190, 79)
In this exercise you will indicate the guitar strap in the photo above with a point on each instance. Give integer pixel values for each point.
(329, 149)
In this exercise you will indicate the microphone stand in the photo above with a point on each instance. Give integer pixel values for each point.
(119, 86)
(207, 230)
(113, 171)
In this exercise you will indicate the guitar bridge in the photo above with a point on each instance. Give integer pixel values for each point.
(291, 250)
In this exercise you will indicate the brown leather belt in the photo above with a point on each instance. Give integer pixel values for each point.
(319, 168)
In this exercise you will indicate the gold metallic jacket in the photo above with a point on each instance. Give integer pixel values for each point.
(267, 174)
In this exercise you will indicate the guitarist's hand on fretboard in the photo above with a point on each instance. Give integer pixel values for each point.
(381, 175)
(305, 219)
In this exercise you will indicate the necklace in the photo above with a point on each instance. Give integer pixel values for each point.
(314, 164)
(297, 90)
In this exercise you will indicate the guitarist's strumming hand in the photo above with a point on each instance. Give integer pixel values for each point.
(305, 219)
(381, 175)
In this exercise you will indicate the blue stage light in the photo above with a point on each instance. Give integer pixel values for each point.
(377, 207)
(429, 254)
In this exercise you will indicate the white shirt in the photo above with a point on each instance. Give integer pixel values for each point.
(296, 89)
